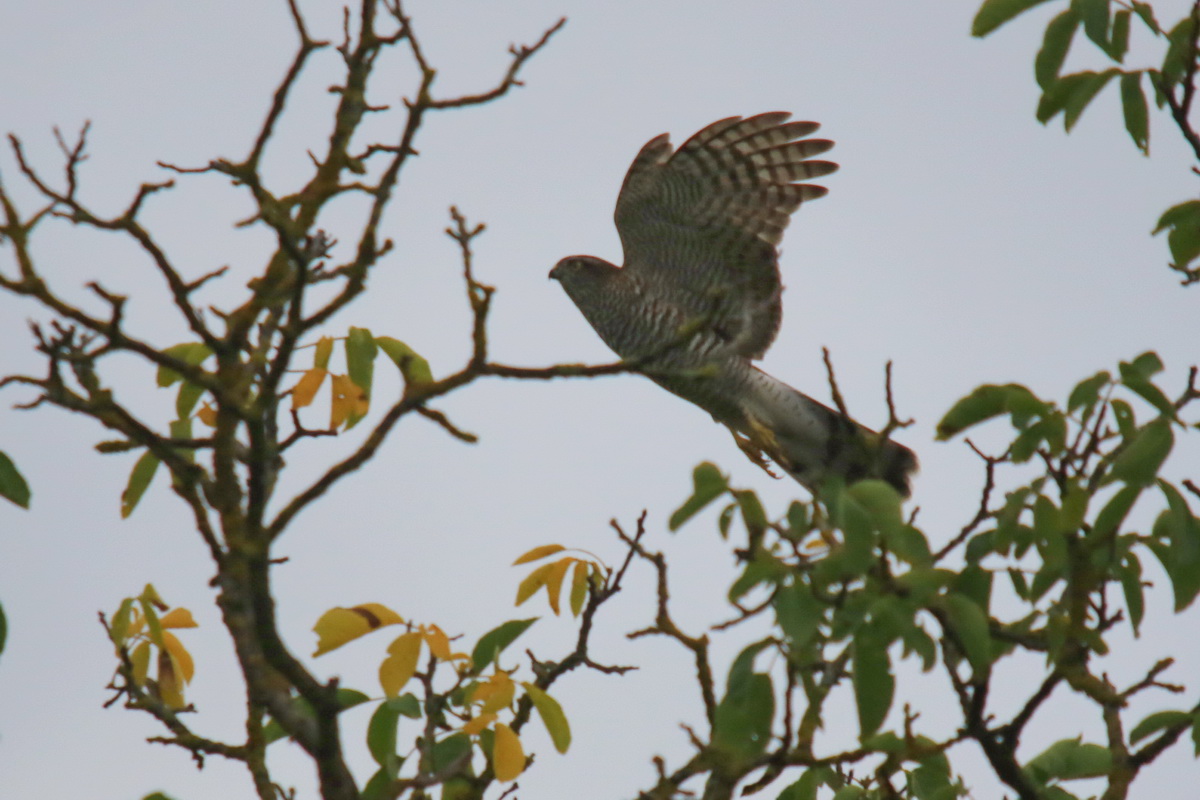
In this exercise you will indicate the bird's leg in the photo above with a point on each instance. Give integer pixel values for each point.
(759, 446)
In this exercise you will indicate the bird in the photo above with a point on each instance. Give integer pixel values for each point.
(698, 298)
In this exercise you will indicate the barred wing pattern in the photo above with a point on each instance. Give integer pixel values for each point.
(699, 226)
(703, 222)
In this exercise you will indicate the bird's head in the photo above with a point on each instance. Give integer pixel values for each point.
(580, 271)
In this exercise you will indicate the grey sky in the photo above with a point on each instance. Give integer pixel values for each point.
(960, 239)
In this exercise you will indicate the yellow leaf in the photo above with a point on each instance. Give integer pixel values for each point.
(439, 642)
(135, 625)
(178, 618)
(399, 667)
(539, 552)
(508, 757)
(118, 631)
(579, 587)
(552, 716)
(337, 626)
(180, 656)
(150, 595)
(324, 350)
(306, 388)
(477, 724)
(208, 415)
(344, 399)
(170, 689)
(554, 580)
(501, 696)
(533, 581)
(140, 658)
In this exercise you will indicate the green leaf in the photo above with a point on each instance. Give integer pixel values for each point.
(917, 641)
(378, 785)
(1182, 558)
(449, 751)
(346, 698)
(1146, 12)
(1130, 574)
(1055, 45)
(974, 583)
(990, 401)
(798, 613)
(1139, 462)
(806, 788)
(1087, 391)
(1094, 15)
(492, 643)
(414, 368)
(874, 685)
(753, 514)
(12, 486)
(742, 722)
(157, 796)
(858, 536)
(909, 544)
(1183, 224)
(797, 519)
(189, 394)
(1175, 62)
(360, 364)
(1118, 40)
(1136, 376)
(994, 13)
(763, 569)
(850, 792)
(1083, 93)
(709, 484)
(971, 627)
(1156, 722)
(1126, 421)
(139, 480)
(552, 717)
(193, 353)
(1070, 759)
(1108, 520)
(381, 737)
(882, 504)
(3, 629)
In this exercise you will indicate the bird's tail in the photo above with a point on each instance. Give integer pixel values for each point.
(813, 442)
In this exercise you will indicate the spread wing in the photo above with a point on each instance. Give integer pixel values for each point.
(701, 224)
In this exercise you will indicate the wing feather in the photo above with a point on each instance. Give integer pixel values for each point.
(702, 223)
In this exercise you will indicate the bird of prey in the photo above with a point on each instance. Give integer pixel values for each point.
(698, 298)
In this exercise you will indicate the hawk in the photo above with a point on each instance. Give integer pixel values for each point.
(698, 298)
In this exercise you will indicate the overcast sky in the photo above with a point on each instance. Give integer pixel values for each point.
(960, 239)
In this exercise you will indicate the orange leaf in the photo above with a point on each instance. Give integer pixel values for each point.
(439, 642)
(170, 688)
(306, 388)
(554, 580)
(178, 618)
(181, 658)
(533, 581)
(477, 724)
(399, 667)
(508, 757)
(501, 696)
(344, 398)
(337, 626)
(208, 415)
(539, 552)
